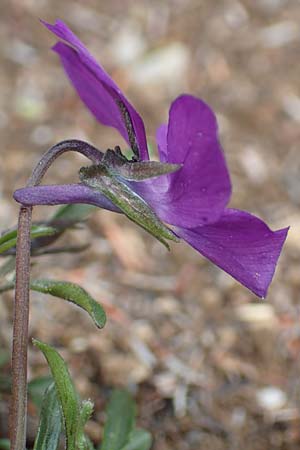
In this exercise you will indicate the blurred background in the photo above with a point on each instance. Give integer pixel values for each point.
(211, 366)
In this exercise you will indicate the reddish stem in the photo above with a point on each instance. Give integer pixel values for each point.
(18, 409)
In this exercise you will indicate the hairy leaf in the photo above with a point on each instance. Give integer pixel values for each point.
(73, 293)
(65, 390)
(73, 213)
(9, 239)
(4, 444)
(120, 421)
(8, 266)
(50, 422)
(139, 440)
(37, 388)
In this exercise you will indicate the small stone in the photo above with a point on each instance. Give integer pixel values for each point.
(127, 45)
(291, 106)
(166, 66)
(271, 398)
(253, 164)
(238, 417)
(42, 135)
(165, 383)
(279, 34)
(166, 305)
(257, 315)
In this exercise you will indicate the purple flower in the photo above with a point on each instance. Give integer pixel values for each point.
(193, 199)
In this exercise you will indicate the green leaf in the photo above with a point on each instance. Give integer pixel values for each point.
(139, 440)
(50, 422)
(9, 239)
(67, 291)
(120, 421)
(73, 213)
(4, 357)
(8, 266)
(5, 383)
(37, 388)
(73, 293)
(4, 444)
(65, 390)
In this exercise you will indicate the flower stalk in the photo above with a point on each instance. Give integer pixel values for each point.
(18, 409)
(20, 333)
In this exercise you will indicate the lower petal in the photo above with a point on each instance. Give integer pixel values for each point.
(242, 245)
(62, 195)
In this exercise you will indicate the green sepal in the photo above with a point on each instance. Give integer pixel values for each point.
(66, 392)
(50, 425)
(120, 420)
(132, 205)
(144, 170)
(73, 293)
(117, 164)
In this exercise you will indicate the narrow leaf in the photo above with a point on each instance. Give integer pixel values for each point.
(5, 383)
(73, 293)
(4, 357)
(9, 239)
(37, 389)
(8, 266)
(65, 390)
(73, 213)
(139, 440)
(50, 422)
(120, 421)
(4, 444)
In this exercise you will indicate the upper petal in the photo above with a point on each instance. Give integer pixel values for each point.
(62, 195)
(162, 142)
(197, 193)
(95, 87)
(242, 245)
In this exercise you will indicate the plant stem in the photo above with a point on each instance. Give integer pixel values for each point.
(57, 150)
(20, 333)
(18, 410)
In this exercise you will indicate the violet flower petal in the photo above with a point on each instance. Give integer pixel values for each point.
(197, 193)
(162, 142)
(63, 194)
(95, 87)
(242, 245)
